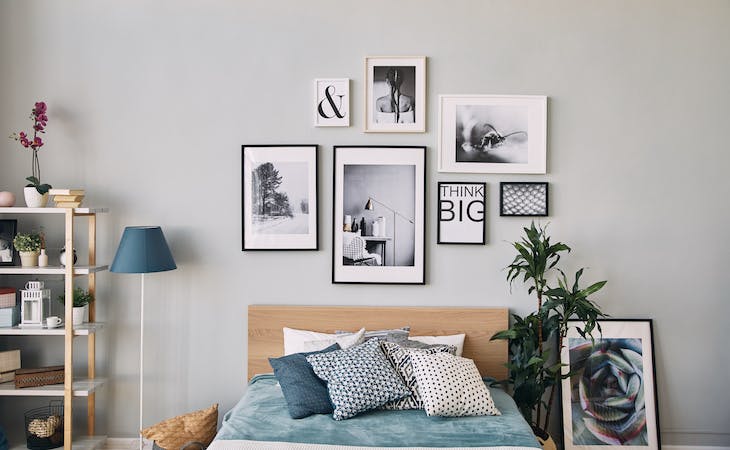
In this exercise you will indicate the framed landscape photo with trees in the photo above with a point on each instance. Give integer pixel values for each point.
(279, 197)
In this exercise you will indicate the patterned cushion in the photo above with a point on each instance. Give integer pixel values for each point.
(400, 358)
(358, 378)
(305, 394)
(451, 386)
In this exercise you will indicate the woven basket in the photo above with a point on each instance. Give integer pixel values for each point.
(44, 426)
(172, 434)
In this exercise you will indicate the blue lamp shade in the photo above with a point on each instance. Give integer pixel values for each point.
(143, 250)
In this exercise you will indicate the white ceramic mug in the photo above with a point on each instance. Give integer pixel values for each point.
(53, 321)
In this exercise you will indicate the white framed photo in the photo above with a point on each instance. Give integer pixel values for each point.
(379, 215)
(279, 197)
(395, 94)
(493, 133)
(332, 102)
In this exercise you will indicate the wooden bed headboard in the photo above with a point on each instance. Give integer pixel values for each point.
(266, 339)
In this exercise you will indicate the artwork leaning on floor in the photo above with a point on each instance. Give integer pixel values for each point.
(523, 199)
(610, 398)
(280, 197)
(379, 220)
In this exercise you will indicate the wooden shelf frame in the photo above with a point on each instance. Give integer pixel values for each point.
(70, 388)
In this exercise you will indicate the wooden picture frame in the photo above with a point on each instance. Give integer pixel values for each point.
(524, 199)
(493, 134)
(395, 94)
(279, 197)
(382, 188)
(8, 230)
(610, 398)
(462, 213)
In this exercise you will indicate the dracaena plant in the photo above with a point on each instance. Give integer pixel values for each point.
(535, 341)
(40, 120)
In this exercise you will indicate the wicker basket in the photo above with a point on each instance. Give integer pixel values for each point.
(44, 426)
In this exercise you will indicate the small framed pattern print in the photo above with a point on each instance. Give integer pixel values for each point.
(461, 212)
(523, 199)
(609, 391)
(332, 102)
(280, 197)
(8, 254)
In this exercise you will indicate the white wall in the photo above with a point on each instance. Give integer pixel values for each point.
(150, 102)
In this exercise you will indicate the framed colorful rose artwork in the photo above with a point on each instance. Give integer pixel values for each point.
(609, 398)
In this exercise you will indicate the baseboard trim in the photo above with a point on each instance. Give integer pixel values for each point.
(133, 444)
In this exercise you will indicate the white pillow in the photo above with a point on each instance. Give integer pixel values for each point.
(457, 340)
(451, 386)
(299, 341)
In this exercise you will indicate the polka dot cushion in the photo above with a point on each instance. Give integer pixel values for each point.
(400, 358)
(451, 386)
(358, 378)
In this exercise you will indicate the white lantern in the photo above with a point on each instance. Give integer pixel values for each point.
(35, 304)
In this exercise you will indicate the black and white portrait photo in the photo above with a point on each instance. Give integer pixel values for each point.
(461, 212)
(493, 134)
(379, 211)
(523, 199)
(8, 228)
(395, 94)
(332, 102)
(279, 197)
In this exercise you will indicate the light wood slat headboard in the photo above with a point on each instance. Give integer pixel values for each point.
(265, 323)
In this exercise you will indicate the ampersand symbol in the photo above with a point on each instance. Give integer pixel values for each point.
(328, 91)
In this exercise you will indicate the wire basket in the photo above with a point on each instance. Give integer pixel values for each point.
(44, 426)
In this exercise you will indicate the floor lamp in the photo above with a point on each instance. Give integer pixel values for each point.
(369, 207)
(142, 250)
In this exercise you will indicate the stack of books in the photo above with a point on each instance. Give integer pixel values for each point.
(67, 198)
(9, 309)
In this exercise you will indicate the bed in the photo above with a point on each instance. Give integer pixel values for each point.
(260, 419)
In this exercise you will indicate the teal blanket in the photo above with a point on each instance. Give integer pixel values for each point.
(262, 415)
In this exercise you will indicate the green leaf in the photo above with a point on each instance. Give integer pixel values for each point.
(43, 188)
(33, 180)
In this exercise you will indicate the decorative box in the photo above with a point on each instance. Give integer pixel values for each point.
(9, 317)
(41, 376)
(9, 363)
(8, 297)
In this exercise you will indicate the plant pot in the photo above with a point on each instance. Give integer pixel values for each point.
(28, 259)
(79, 314)
(34, 199)
(545, 440)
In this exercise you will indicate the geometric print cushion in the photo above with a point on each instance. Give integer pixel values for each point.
(358, 379)
(400, 358)
(451, 386)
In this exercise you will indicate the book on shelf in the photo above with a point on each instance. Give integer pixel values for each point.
(68, 204)
(66, 192)
(67, 198)
(9, 363)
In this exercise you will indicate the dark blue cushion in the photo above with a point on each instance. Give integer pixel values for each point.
(304, 392)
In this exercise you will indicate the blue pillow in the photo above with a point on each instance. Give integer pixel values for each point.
(304, 392)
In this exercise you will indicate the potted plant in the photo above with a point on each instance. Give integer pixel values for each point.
(535, 341)
(36, 193)
(28, 246)
(81, 299)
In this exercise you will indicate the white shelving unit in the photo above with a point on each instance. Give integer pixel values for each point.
(72, 387)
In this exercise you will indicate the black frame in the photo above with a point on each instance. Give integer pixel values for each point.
(12, 225)
(334, 207)
(438, 212)
(650, 322)
(501, 198)
(243, 196)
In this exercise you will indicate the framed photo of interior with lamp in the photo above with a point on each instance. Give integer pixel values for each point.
(379, 215)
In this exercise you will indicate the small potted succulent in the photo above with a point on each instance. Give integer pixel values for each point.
(28, 246)
(81, 299)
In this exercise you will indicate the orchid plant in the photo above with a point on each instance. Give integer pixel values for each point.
(40, 119)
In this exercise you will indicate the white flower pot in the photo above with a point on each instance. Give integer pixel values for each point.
(28, 259)
(79, 314)
(33, 199)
